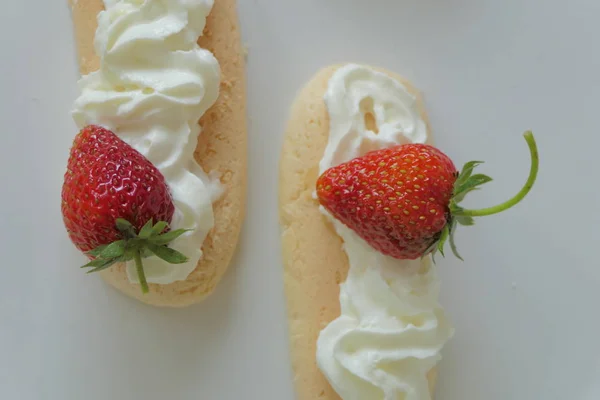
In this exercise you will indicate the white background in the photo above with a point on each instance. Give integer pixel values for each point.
(523, 302)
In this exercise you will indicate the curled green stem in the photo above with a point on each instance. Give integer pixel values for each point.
(533, 171)
(140, 271)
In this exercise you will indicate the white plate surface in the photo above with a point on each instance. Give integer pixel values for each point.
(525, 301)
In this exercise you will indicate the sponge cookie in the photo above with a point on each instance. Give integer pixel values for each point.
(221, 148)
(314, 262)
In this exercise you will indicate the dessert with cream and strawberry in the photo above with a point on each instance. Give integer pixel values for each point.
(392, 200)
(142, 193)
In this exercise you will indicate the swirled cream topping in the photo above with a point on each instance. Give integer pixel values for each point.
(391, 328)
(153, 85)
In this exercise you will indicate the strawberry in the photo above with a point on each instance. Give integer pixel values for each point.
(403, 200)
(116, 205)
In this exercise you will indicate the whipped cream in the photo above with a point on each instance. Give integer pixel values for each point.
(153, 85)
(391, 328)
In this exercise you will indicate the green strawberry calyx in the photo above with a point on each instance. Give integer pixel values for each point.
(467, 182)
(135, 246)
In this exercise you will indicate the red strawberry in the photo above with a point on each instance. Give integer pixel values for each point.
(111, 197)
(404, 200)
